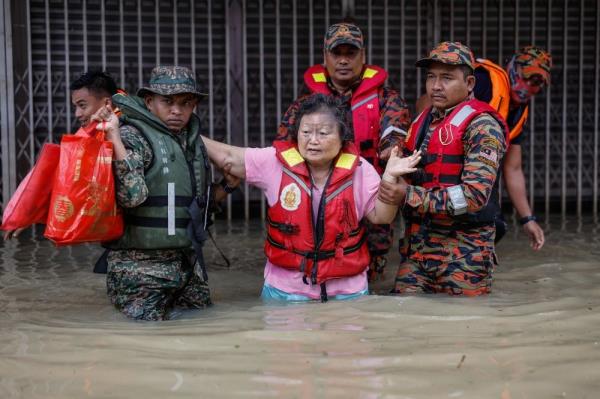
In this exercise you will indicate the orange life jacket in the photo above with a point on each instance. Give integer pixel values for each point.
(501, 94)
(334, 246)
(364, 105)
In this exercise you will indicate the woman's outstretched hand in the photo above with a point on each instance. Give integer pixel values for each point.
(398, 166)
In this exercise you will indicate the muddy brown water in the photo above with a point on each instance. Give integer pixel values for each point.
(536, 336)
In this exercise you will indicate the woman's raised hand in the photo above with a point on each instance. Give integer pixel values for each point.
(398, 166)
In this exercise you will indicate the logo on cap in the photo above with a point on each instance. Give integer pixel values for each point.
(343, 33)
(451, 53)
(534, 61)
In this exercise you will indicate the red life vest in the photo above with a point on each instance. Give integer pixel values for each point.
(501, 95)
(444, 156)
(364, 105)
(292, 241)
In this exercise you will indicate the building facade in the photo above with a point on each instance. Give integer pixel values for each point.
(250, 56)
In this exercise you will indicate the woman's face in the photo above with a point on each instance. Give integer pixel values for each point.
(319, 140)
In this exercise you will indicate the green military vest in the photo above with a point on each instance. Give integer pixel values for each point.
(174, 179)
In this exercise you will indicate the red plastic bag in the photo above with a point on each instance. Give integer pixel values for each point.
(83, 206)
(29, 204)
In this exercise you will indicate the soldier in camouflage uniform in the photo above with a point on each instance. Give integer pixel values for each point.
(379, 116)
(163, 185)
(450, 204)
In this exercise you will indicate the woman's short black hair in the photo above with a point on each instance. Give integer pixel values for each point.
(323, 103)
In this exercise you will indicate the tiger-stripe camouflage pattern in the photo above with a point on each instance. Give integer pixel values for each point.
(343, 33)
(379, 241)
(449, 53)
(456, 262)
(447, 257)
(534, 61)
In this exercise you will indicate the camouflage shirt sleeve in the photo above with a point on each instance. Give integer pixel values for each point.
(484, 147)
(395, 118)
(131, 189)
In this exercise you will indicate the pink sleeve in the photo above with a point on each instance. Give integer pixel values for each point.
(366, 183)
(263, 170)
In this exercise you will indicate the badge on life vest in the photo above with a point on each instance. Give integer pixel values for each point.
(290, 197)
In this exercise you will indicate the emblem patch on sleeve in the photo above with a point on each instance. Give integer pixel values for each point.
(290, 197)
(488, 156)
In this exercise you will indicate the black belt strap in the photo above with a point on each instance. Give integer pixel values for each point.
(163, 200)
(144, 221)
(446, 158)
(428, 222)
(448, 179)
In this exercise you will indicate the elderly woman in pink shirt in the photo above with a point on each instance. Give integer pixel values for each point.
(318, 190)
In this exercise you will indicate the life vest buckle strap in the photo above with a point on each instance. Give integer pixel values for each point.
(323, 255)
(357, 246)
(303, 265)
(323, 293)
(162, 200)
(313, 277)
(444, 179)
(278, 244)
(288, 228)
(355, 232)
(285, 228)
(144, 221)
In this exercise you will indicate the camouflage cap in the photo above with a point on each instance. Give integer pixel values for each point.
(170, 80)
(534, 61)
(343, 33)
(451, 53)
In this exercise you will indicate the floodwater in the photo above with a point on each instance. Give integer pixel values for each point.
(536, 336)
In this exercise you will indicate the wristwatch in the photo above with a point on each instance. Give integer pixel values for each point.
(524, 220)
(226, 187)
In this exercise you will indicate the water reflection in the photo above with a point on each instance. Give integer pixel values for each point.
(536, 336)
